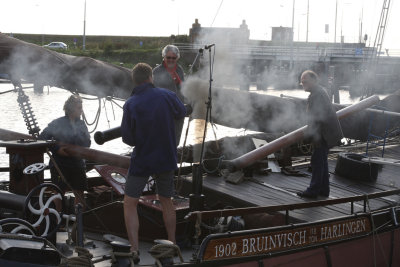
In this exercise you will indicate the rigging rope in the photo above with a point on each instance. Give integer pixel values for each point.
(216, 14)
(105, 108)
(374, 235)
(81, 200)
(96, 118)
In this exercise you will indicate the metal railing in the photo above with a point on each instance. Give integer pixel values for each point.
(191, 216)
(299, 52)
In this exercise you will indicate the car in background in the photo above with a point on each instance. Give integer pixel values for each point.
(56, 45)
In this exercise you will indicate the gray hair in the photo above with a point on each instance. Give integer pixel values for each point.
(69, 105)
(171, 48)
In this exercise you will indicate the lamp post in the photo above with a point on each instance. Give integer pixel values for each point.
(334, 39)
(84, 28)
(291, 43)
(308, 13)
(40, 12)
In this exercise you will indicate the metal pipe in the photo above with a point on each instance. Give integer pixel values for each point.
(98, 156)
(79, 223)
(374, 110)
(7, 135)
(103, 136)
(290, 138)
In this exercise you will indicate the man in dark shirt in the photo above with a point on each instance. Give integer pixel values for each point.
(148, 124)
(325, 132)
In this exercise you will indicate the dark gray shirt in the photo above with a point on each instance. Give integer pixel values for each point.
(323, 124)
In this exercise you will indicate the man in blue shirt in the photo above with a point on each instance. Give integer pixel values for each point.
(148, 124)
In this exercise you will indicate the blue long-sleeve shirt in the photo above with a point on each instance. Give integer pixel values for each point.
(148, 124)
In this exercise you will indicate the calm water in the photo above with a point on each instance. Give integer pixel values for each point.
(49, 105)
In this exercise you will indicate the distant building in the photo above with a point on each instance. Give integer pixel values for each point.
(219, 35)
(282, 35)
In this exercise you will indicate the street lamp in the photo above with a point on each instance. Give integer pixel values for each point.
(42, 24)
(84, 28)
(308, 13)
(291, 43)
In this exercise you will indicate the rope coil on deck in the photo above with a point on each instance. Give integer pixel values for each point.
(217, 167)
(83, 260)
(133, 257)
(304, 147)
(161, 251)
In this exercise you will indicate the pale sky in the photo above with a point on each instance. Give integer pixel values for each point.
(166, 17)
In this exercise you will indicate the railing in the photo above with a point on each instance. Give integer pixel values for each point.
(288, 207)
(299, 52)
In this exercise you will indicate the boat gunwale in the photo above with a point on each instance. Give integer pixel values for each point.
(195, 215)
(374, 218)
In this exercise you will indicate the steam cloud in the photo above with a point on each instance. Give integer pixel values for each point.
(41, 66)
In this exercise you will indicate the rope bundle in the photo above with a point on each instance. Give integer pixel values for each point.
(83, 260)
(161, 251)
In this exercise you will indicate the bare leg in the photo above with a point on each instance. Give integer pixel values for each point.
(132, 221)
(169, 217)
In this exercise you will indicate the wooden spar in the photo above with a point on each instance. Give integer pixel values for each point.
(94, 155)
(7, 135)
(290, 138)
(98, 156)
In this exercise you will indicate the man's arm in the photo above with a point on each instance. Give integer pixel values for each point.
(127, 128)
(179, 109)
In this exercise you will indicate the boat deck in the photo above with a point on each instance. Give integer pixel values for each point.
(280, 189)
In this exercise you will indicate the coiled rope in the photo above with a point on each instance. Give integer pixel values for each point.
(133, 257)
(83, 259)
(161, 251)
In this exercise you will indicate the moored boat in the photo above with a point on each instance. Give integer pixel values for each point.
(241, 210)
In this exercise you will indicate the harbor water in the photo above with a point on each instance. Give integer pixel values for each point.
(49, 105)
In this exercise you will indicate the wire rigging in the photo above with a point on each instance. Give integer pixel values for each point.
(216, 14)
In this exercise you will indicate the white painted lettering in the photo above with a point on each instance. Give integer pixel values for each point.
(272, 242)
(245, 246)
(252, 245)
(284, 240)
(260, 247)
(234, 248)
(323, 233)
(294, 238)
(290, 241)
(334, 231)
(363, 226)
(303, 237)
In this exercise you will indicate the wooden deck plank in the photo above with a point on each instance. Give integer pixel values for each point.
(281, 189)
(277, 189)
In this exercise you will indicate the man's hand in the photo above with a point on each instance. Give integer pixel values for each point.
(189, 109)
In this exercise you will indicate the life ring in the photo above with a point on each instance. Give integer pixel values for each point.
(351, 166)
